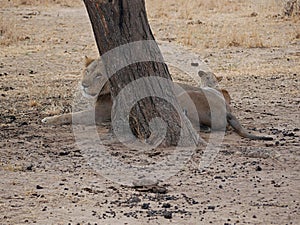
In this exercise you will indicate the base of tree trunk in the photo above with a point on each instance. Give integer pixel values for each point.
(121, 22)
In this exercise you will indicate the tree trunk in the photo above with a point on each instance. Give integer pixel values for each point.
(119, 22)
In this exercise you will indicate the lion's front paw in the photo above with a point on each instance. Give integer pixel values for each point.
(51, 120)
(57, 120)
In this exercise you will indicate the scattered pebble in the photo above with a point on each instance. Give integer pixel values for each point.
(167, 215)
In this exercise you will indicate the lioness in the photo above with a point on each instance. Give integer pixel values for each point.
(206, 100)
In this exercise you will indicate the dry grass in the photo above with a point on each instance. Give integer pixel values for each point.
(245, 33)
(182, 9)
(224, 23)
(196, 23)
(9, 32)
(193, 9)
(15, 3)
(10, 28)
(250, 39)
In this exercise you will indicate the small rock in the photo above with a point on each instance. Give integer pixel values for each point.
(167, 215)
(157, 189)
(254, 14)
(211, 207)
(10, 119)
(134, 199)
(64, 153)
(258, 168)
(145, 205)
(166, 205)
(29, 167)
(145, 182)
(39, 187)
(23, 124)
(87, 189)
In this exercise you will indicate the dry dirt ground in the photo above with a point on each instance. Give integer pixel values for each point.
(44, 178)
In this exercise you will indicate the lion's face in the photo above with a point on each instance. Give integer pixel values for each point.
(209, 79)
(93, 79)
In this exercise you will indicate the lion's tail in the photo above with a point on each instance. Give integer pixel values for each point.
(233, 121)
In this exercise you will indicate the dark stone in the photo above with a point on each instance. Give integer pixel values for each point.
(258, 168)
(167, 215)
(145, 205)
(166, 205)
(39, 187)
(211, 207)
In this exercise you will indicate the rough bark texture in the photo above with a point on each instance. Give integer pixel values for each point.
(119, 22)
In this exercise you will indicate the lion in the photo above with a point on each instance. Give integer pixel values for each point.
(212, 104)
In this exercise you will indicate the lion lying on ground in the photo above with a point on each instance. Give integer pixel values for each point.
(206, 100)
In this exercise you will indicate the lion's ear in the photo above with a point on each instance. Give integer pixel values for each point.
(226, 95)
(88, 61)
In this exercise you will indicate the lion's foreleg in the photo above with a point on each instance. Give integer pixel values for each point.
(83, 117)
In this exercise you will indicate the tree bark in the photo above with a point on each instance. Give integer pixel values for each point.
(120, 22)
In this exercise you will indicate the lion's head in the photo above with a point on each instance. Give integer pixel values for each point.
(94, 81)
(209, 79)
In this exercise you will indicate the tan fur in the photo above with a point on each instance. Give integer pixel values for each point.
(212, 105)
(92, 80)
(209, 79)
(210, 108)
(213, 110)
(226, 96)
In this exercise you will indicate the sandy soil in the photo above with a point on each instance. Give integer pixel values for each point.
(46, 180)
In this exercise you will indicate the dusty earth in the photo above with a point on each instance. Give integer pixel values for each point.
(45, 178)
